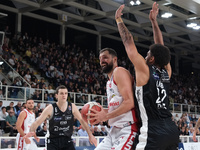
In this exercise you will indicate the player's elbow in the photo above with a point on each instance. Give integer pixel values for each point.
(131, 105)
(17, 127)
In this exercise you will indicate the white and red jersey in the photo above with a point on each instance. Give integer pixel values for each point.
(115, 99)
(29, 119)
(27, 122)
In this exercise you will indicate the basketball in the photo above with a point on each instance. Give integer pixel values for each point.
(86, 110)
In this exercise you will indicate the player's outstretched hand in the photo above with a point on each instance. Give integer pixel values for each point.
(194, 137)
(30, 134)
(27, 141)
(36, 138)
(98, 116)
(118, 12)
(154, 12)
(93, 140)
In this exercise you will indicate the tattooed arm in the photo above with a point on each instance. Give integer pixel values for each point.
(195, 130)
(141, 68)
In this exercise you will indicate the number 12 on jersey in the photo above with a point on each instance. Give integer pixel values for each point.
(161, 97)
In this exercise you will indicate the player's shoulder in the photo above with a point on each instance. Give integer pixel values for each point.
(23, 113)
(120, 71)
(49, 108)
(73, 105)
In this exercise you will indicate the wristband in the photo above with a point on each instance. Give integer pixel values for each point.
(119, 20)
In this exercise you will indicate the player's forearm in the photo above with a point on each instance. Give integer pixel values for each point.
(21, 132)
(124, 32)
(128, 41)
(157, 34)
(124, 107)
(197, 125)
(33, 127)
(86, 127)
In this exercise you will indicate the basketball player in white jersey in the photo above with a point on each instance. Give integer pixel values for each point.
(24, 121)
(121, 108)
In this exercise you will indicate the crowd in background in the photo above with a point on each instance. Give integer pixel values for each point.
(79, 70)
(76, 68)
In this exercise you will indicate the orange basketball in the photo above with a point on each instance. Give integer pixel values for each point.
(86, 110)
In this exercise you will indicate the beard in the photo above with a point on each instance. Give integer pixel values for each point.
(30, 108)
(108, 68)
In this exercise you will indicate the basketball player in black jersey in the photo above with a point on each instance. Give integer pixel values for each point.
(60, 120)
(158, 131)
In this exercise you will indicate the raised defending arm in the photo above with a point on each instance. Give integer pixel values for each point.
(141, 68)
(157, 34)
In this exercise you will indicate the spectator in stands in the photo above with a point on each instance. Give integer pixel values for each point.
(176, 117)
(98, 99)
(33, 60)
(45, 96)
(39, 107)
(21, 109)
(12, 61)
(19, 82)
(13, 90)
(96, 131)
(191, 130)
(28, 76)
(75, 131)
(41, 83)
(187, 131)
(52, 67)
(1, 96)
(28, 54)
(37, 95)
(48, 73)
(103, 131)
(12, 74)
(17, 108)
(50, 98)
(26, 38)
(11, 122)
(43, 131)
(42, 67)
(10, 107)
(24, 105)
(36, 112)
(3, 81)
(182, 132)
(3, 115)
(50, 89)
